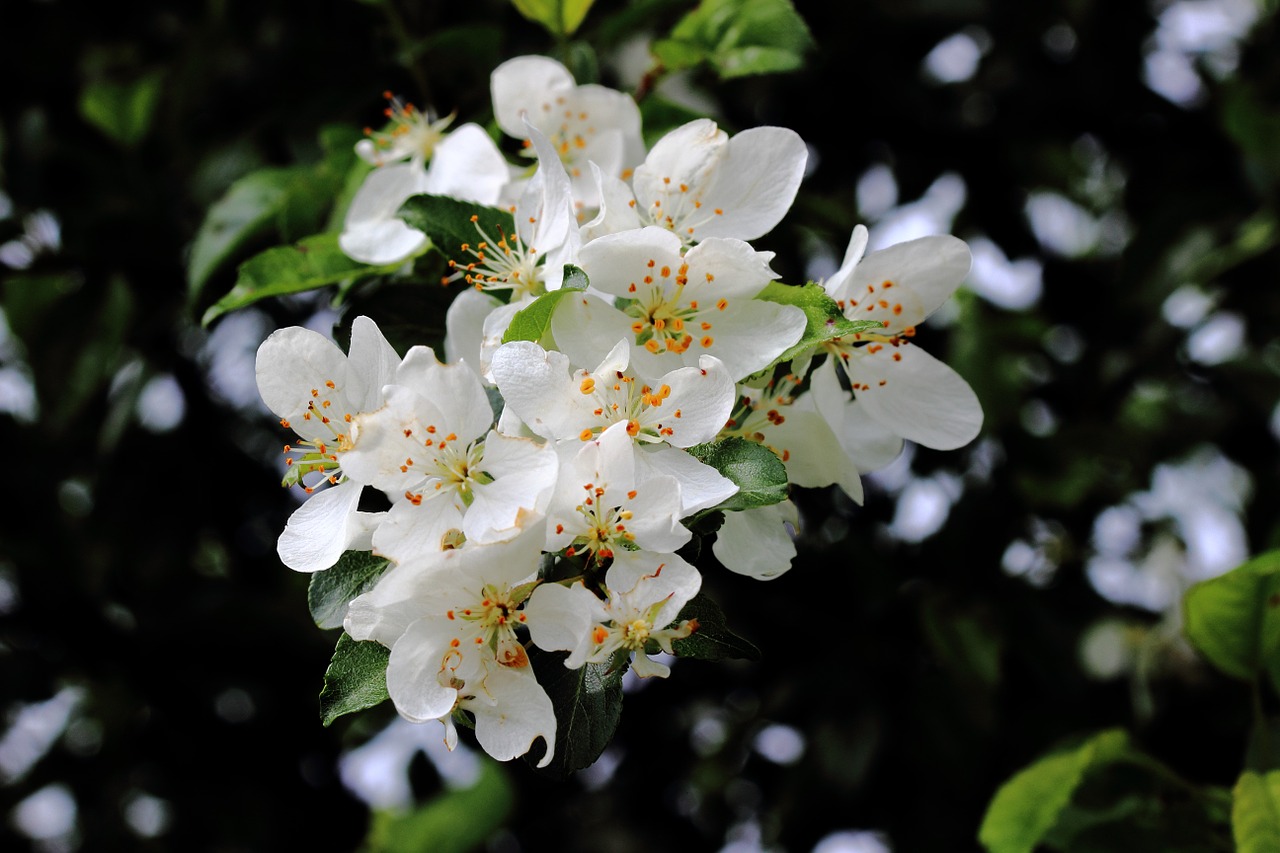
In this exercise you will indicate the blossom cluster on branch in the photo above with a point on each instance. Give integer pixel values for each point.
(623, 373)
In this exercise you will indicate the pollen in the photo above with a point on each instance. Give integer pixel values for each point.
(588, 385)
(600, 634)
(707, 341)
(722, 304)
(585, 435)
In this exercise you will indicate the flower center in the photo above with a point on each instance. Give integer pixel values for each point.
(412, 132)
(664, 321)
(502, 264)
(679, 211)
(325, 434)
(618, 399)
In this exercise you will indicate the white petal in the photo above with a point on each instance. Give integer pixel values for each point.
(736, 270)
(527, 84)
(452, 388)
(617, 264)
(468, 166)
(921, 398)
(412, 675)
(646, 578)
(411, 530)
(749, 334)
(561, 618)
(617, 209)
(292, 363)
(537, 386)
(923, 274)
(755, 183)
(757, 542)
(520, 714)
(812, 453)
(524, 474)
(703, 396)
(701, 486)
(322, 528)
(372, 233)
(371, 364)
(687, 155)
(464, 325)
(586, 328)
(838, 286)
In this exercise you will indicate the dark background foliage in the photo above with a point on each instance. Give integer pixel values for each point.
(138, 560)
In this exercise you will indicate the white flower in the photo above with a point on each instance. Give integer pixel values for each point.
(680, 409)
(758, 542)
(584, 123)
(699, 183)
(600, 509)
(645, 594)
(900, 386)
(465, 164)
(677, 307)
(432, 444)
(802, 438)
(413, 135)
(451, 619)
(318, 392)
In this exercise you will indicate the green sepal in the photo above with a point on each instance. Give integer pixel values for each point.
(1255, 812)
(757, 471)
(306, 265)
(560, 17)
(588, 706)
(533, 322)
(331, 590)
(737, 38)
(447, 222)
(712, 640)
(1234, 619)
(356, 678)
(824, 321)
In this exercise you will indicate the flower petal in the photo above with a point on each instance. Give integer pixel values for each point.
(916, 396)
(918, 275)
(755, 183)
(322, 528)
(758, 542)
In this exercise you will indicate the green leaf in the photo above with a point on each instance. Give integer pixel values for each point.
(758, 472)
(456, 821)
(738, 38)
(291, 202)
(306, 265)
(356, 678)
(533, 322)
(123, 111)
(560, 17)
(1234, 619)
(1027, 807)
(824, 321)
(1255, 812)
(448, 223)
(331, 590)
(588, 705)
(249, 209)
(712, 640)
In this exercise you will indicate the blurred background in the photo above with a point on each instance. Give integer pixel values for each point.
(1115, 169)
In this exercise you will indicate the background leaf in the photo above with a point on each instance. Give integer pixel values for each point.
(738, 38)
(455, 821)
(123, 111)
(1255, 812)
(1234, 619)
(314, 262)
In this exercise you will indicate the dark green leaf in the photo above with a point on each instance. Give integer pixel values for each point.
(1255, 812)
(288, 202)
(712, 640)
(448, 223)
(455, 821)
(758, 472)
(1234, 619)
(588, 705)
(314, 262)
(356, 678)
(824, 321)
(123, 111)
(331, 590)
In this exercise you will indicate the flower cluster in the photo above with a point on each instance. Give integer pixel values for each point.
(620, 349)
